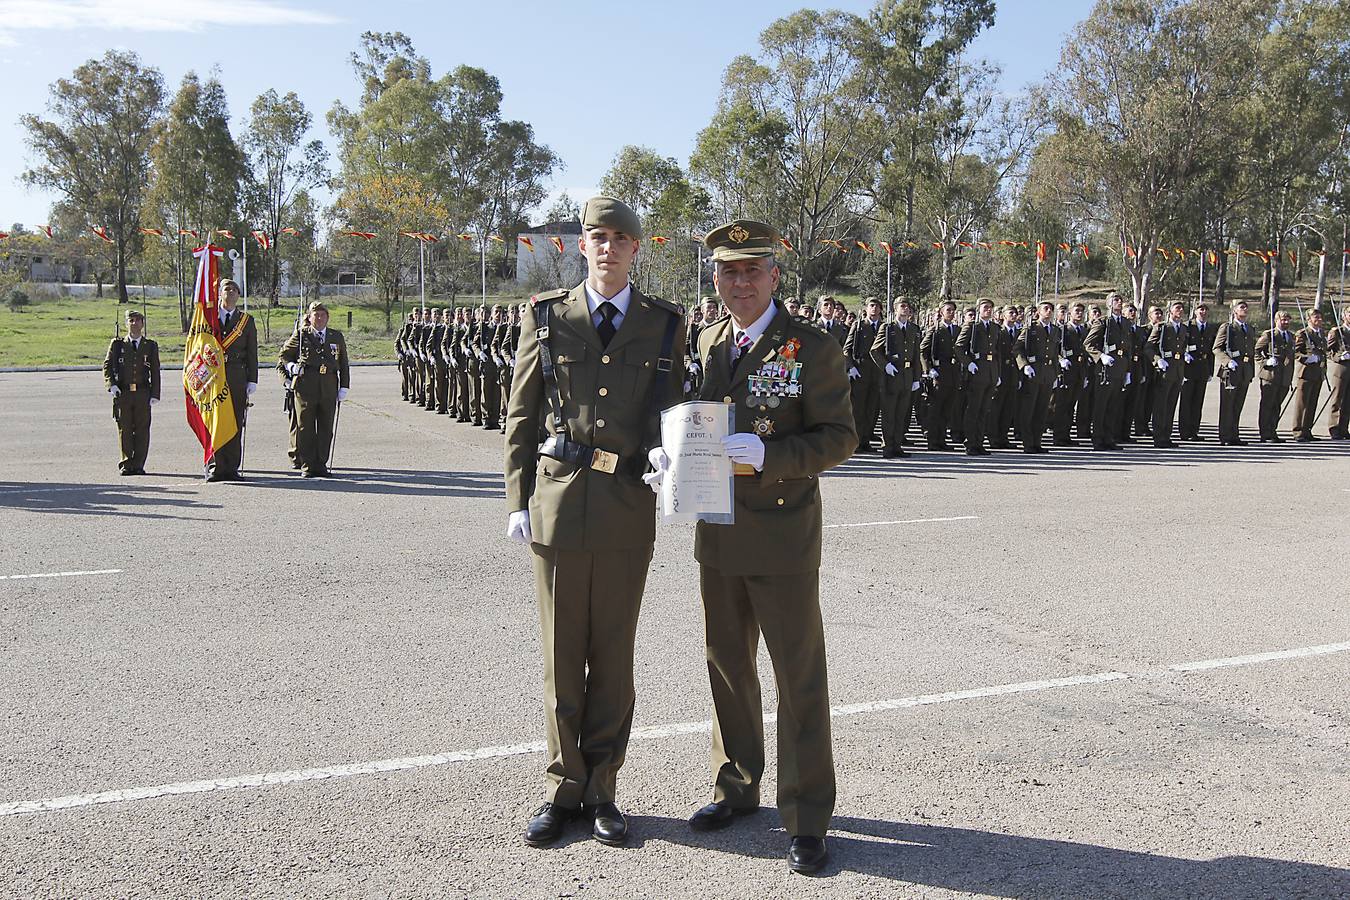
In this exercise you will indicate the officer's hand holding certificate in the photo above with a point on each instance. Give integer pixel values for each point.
(697, 483)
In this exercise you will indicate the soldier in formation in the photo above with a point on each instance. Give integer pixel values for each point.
(131, 375)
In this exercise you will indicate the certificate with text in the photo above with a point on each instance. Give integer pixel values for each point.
(698, 486)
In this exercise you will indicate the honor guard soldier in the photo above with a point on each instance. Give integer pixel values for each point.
(452, 318)
(761, 575)
(1136, 381)
(316, 357)
(510, 343)
(1275, 371)
(863, 373)
(937, 351)
(1003, 401)
(1338, 373)
(895, 353)
(595, 367)
(1234, 346)
(131, 375)
(708, 310)
(404, 359)
(1109, 344)
(1199, 359)
(488, 389)
(1310, 354)
(1166, 350)
(979, 349)
(463, 375)
(413, 344)
(289, 405)
(1070, 402)
(1038, 358)
(239, 340)
(439, 395)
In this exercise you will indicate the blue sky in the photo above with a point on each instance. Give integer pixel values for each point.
(590, 79)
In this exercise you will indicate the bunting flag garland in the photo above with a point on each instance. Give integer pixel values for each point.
(1084, 248)
(187, 232)
(294, 232)
(422, 236)
(155, 231)
(225, 232)
(1064, 247)
(464, 237)
(4, 235)
(1040, 251)
(1213, 258)
(101, 232)
(529, 244)
(557, 242)
(863, 246)
(263, 240)
(657, 239)
(363, 235)
(496, 237)
(885, 245)
(46, 229)
(787, 245)
(984, 245)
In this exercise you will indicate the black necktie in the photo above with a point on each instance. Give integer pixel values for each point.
(607, 328)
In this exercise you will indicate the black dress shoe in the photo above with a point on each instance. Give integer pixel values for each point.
(1166, 445)
(1067, 442)
(941, 448)
(1238, 443)
(718, 815)
(607, 824)
(547, 823)
(807, 855)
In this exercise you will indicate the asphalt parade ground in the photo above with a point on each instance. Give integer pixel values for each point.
(1073, 675)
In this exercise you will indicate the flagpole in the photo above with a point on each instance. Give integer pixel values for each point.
(1057, 251)
(888, 280)
(482, 262)
(1038, 277)
(243, 270)
(421, 269)
(1202, 277)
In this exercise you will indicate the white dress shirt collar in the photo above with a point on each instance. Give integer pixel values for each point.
(757, 327)
(620, 301)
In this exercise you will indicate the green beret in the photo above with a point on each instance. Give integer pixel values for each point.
(742, 239)
(611, 213)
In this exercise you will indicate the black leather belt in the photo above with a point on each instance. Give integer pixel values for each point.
(561, 448)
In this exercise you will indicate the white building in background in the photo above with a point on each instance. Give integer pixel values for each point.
(546, 264)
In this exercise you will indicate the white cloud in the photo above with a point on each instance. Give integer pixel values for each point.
(147, 15)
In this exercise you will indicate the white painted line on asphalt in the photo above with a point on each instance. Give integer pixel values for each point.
(645, 733)
(1250, 659)
(903, 522)
(60, 574)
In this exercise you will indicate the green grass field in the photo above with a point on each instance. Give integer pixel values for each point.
(76, 331)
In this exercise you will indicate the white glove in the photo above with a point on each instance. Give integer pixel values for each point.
(1312, 358)
(518, 526)
(1272, 362)
(999, 383)
(250, 388)
(1232, 364)
(1162, 364)
(342, 394)
(891, 369)
(853, 373)
(1108, 359)
(114, 390)
(914, 386)
(293, 369)
(154, 400)
(744, 447)
(1029, 371)
(972, 368)
(932, 373)
(1189, 358)
(1345, 357)
(693, 367)
(660, 461)
(1128, 379)
(1064, 364)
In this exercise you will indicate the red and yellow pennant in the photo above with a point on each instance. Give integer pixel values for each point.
(464, 237)
(557, 242)
(658, 239)
(225, 232)
(529, 244)
(188, 232)
(293, 232)
(263, 240)
(864, 246)
(496, 237)
(1084, 248)
(154, 231)
(210, 408)
(47, 230)
(102, 233)
(1040, 251)
(886, 245)
(4, 235)
(787, 245)
(363, 235)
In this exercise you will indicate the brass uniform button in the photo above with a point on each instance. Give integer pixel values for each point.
(604, 392)
(605, 358)
(780, 501)
(727, 399)
(599, 423)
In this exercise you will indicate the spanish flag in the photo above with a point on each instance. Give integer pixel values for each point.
(210, 408)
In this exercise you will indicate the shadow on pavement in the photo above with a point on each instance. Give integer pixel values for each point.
(405, 482)
(1004, 865)
(129, 499)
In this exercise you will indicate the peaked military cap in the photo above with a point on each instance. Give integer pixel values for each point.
(610, 212)
(316, 306)
(742, 239)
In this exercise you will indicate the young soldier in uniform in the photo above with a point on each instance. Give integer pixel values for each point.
(1166, 351)
(1275, 350)
(979, 348)
(1233, 348)
(895, 353)
(316, 357)
(488, 388)
(937, 351)
(863, 373)
(452, 360)
(463, 367)
(1109, 346)
(1310, 353)
(239, 340)
(131, 375)
(1070, 396)
(1199, 370)
(595, 366)
(1003, 401)
(440, 369)
(1338, 372)
(761, 575)
(1135, 380)
(404, 359)
(1038, 357)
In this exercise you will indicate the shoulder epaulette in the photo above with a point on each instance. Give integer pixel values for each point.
(717, 321)
(667, 305)
(549, 296)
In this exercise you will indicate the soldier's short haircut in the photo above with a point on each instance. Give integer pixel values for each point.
(1079, 305)
(951, 303)
(1200, 306)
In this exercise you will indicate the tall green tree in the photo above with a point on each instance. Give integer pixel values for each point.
(284, 164)
(95, 148)
(198, 171)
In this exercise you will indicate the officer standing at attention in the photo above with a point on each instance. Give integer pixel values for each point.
(1038, 357)
(1167, 343)
(761, 575)
(594, 368)
(979, 348)
(316, 357)
(1199, 359)
(1275, 350)
(864, 373)
(938, 353)
(131, 374)
(1234, 347)
(1338, 373)
(239, 340)
(895, 353)
(1310, 354)
(1109, 344)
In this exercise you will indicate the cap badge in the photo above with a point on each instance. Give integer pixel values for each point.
(738, 234)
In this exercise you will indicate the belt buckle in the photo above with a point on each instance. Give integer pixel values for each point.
(604, 461)
(133, 387)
